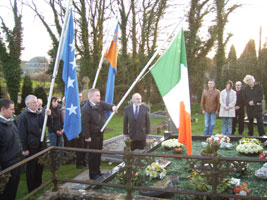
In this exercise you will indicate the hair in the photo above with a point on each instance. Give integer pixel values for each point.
(29, 98)
(248, 77)
(230, 82)
(92, 91)
(135, 95)
(238, 82)
(4, 102)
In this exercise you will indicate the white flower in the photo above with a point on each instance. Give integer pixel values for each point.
(235, 181)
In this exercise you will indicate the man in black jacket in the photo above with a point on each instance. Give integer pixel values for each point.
(239, 109)
(10, 148)
(93, 119)
(136, 123)
(30, 124)
(253, 94)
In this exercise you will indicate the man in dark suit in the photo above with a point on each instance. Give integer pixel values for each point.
(10, 148)
(93, 119)
(239, 109)
(136, 122)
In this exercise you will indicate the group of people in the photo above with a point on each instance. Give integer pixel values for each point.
(22, 139)
(231, 104)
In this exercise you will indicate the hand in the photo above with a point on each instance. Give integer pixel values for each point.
(203, 111)
(48, 112)
(88, 140)
(237, 107)
(59, 132)
(251, 103)
(226, 108)
(25, 153)
(115, 109)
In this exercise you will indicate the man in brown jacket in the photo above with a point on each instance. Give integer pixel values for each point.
(210, 106)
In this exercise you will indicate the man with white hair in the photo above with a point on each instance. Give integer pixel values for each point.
(253, 95)
(136, 123)
(30, 124)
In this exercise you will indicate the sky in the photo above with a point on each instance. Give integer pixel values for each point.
(244, 24)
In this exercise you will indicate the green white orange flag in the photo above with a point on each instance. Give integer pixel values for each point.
(171, 76)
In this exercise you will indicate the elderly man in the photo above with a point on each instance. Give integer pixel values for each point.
(239, 109)
(210, 106)
(253, 95)
(30, 124)
(10, 148)
(136, 123)
(93, 119)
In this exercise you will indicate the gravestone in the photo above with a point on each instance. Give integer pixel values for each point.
(85, 88)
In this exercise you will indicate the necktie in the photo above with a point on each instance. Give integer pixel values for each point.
(136, 112)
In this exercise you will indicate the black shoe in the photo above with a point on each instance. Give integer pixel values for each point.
(95, 177)
(100, 173)
(80, 166)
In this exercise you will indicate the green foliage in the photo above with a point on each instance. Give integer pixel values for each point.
(1, 93)
(39, 91)
(26, 90)
(10, 52)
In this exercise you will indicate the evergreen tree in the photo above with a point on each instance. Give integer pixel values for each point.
(248, 61)
(40, 93)
(10, 52)
(26, 90)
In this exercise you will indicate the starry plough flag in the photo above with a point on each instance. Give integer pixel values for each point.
(72, 122)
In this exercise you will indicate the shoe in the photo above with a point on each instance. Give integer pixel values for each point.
(95, 177)
(80, 166)
(100, 173)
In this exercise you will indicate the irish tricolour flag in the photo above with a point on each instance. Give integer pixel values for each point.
(171, 76)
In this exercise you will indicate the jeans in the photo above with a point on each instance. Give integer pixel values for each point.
(55, 140)
(227, 126)
(210, 119)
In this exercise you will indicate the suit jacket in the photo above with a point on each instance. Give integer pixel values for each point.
(240, 102)
(137, 129)
(93, 118)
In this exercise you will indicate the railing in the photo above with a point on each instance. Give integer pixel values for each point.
(215, 173)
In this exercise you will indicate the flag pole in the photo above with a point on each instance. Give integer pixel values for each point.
(141, 73)
(59, 54)
(103, 54)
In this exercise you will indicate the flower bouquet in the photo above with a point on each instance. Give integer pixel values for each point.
(263, 155)
(171, 143)
(155, 170)
(221, 140)
(179, 150)
(249, 146)
(241, 189)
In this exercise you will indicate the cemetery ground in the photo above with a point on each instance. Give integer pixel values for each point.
(115, 128)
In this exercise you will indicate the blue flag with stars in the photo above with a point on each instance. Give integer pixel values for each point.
(72, 122)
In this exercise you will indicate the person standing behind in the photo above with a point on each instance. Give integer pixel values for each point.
(239, 109)
(30, 124)
(54, 123)
(253, 95)
(10, 148)
(210, 105)
(40, 104)
(93, 119)
(227, 108)
(136, 123)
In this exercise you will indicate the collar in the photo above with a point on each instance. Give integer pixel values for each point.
(1, 116)
(91, 103)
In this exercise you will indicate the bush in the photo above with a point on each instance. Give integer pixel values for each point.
(40, 93)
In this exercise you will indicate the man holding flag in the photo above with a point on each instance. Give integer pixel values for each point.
(171, 76)
(93, 119)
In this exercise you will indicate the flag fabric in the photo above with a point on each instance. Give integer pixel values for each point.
(111, 55)
(72, 122)
(171, 76)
